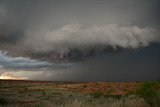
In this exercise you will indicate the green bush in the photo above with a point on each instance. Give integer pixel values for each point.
(97, 94)
(149, 92)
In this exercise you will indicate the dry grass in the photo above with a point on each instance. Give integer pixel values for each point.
(63, 94)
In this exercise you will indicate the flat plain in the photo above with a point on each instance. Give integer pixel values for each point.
(26, 93)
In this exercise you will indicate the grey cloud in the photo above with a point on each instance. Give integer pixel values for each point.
(19, 62)
(12, 63)
(97, 38)
(33, 69)
(34, 31)
(42, 29)
(6, 25)
(129, 65)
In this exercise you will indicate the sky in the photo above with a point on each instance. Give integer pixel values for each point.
(80, 40)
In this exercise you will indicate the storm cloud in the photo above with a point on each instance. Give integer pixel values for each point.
(68, 39)
(54, 31)
(19, 62)
(74, 36)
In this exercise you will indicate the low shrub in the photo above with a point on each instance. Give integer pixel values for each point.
(97, 94)
(148, 91)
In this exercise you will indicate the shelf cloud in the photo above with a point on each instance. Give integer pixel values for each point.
(95, 38)
(63, 39)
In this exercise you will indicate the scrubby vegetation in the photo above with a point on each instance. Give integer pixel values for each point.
(65, 94)
(97, 94)
(150, 92)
